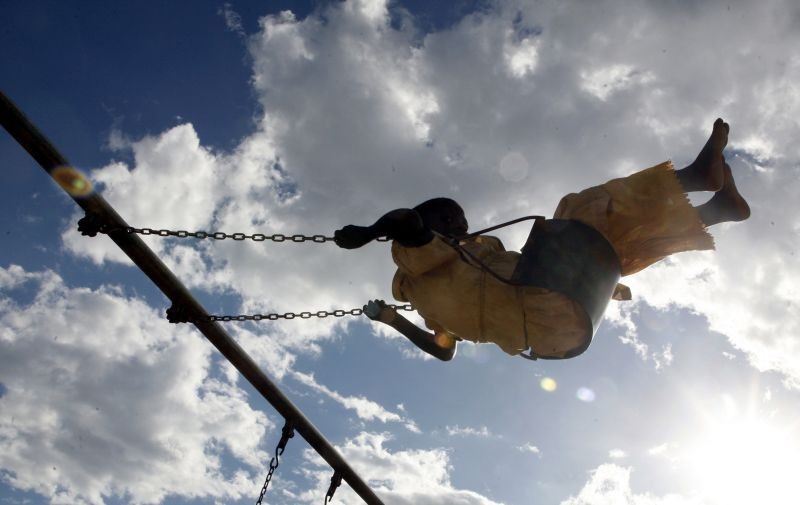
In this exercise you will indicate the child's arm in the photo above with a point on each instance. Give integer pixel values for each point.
(404, 225)
(438, 345)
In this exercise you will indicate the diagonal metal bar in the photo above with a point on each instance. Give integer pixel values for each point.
(29, 137)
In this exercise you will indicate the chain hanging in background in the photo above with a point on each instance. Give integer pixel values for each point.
(286, 434)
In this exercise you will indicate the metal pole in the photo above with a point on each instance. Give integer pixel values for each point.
(26, 134)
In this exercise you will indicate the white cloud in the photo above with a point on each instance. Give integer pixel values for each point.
(232, 19)
(764, 327)
(173, 184)
(364, 408)
(529, 447)
(398, 477)
(374, 11)
(606, 81)
(659, 449)
(622, 315)
(617, 454)
(360, 117)
(761, 149)
(664, 358)
(521, 57)
(104, 398)
(472, 99)
(609, 484)
(468, 431)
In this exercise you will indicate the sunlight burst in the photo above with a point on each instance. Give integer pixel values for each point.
(746, 460)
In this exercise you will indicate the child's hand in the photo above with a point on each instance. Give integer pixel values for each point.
(352, 237)
(377, 310)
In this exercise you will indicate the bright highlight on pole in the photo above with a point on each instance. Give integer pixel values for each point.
(73, 181)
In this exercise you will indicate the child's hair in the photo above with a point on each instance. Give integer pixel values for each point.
(435, 208)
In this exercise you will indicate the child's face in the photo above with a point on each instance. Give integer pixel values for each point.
(459, 224)
(451, 222)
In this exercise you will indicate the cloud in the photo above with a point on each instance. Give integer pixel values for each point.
(232, 19)
(659, 449)
(521, 56)
(398, 477)
(360, 116)
(609, 484)
(104, 399)
(467, 431)
(506, 111)
(173, 184)
(605, 81)
(364, 408)
(529, 447)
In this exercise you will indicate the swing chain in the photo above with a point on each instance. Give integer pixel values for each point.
(336, 481)
(176, 315)
(91, 225)
(286, 434)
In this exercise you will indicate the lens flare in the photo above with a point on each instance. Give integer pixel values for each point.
(514, 167)
(72, 181)
(585, 395)
(548, 384)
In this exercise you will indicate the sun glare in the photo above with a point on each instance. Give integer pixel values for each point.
(749, 460)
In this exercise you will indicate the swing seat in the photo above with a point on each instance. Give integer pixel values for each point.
(576, 260)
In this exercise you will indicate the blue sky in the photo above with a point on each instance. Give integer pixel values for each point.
(304, 116)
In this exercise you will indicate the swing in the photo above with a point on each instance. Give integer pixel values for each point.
(561, 255)
(566, 256)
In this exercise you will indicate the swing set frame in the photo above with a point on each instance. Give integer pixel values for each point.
(46, 155)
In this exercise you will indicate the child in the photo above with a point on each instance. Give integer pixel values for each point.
(640, 219)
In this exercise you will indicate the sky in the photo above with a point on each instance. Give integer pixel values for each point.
(302, 117)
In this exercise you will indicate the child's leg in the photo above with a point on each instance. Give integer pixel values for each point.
(706, 173)
(709, 172)
(726, 205)
(647, 216)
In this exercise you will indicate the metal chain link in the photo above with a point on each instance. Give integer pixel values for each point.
(219, 235)
(301, 315)
(176, 315)
(286, 434)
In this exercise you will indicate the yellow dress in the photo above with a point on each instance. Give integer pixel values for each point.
(645, 217)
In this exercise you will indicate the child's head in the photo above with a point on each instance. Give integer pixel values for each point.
(443, 215)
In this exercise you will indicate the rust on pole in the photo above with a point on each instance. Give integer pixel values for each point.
(29, 137)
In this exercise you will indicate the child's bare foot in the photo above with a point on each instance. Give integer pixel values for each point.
(706, 173)
(727, 204)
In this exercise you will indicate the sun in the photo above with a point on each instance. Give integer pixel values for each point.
(738, 460)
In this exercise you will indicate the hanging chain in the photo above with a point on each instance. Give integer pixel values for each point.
(176, 314)
(91, 225)
(336, 481)
(286, 434)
